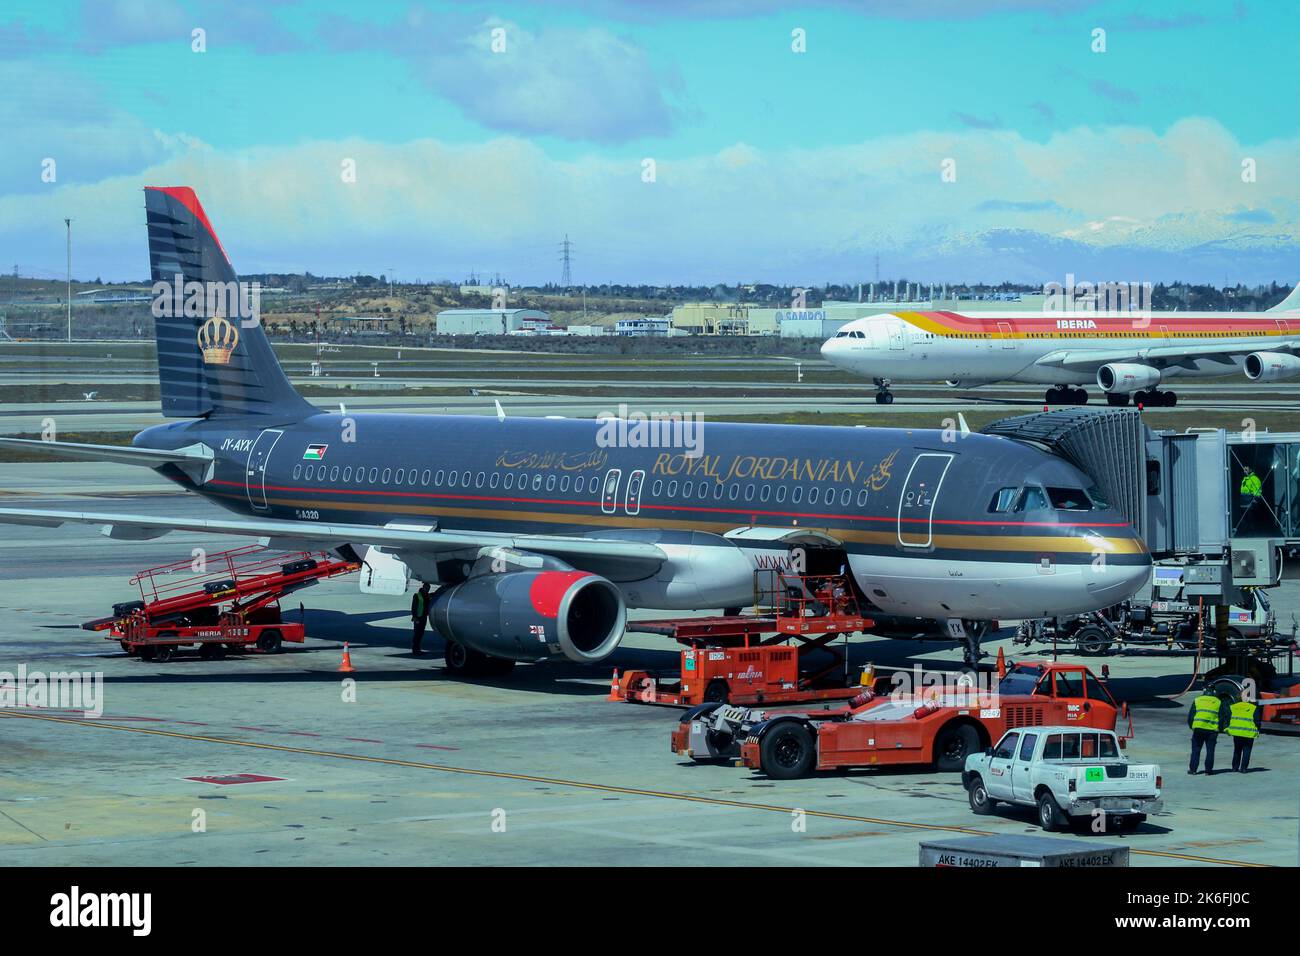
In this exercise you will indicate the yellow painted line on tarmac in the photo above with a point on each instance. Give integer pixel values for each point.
(579, 784)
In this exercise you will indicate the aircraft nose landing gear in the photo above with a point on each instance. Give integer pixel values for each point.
(883, 395)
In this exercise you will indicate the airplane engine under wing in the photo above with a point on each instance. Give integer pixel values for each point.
(1126, 377)
(1271, 366)
(528, 615)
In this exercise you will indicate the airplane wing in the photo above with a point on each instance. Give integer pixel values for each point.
(296, 535)
(1164, 355)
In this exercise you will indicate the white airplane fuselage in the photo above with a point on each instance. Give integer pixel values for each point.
(980, 348)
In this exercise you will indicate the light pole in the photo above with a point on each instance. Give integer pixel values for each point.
(68, 223)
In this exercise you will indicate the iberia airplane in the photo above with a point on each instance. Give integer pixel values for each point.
(1125, 353)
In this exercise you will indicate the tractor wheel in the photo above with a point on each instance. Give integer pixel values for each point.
(953, 745)
(163, 653)
(717, 692)
(787, 751)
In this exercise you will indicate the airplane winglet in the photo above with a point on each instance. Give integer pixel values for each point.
(961, 420)
(501, 412)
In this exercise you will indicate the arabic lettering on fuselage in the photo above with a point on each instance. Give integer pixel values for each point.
(557, 460)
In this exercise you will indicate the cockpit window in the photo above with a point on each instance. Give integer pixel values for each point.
(1069, 499)
(1032, 498)
(1003, 500)
(1099, 500)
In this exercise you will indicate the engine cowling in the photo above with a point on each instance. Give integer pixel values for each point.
(529, 615)
(1126, 377)
(1271, 366)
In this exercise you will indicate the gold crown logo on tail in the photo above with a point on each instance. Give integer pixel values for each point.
(217, 339)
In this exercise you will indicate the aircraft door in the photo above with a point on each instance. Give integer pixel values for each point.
(632, 504)
(1008, 340)
(255, 473)
(896, 340)
(916, 500)
(609, 493)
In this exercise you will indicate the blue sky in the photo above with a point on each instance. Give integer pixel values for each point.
(769, 164)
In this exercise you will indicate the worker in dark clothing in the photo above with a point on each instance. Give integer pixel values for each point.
(1207, 717)
(419, 617)
(1243, 728)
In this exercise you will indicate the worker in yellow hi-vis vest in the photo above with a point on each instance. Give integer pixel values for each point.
(1251, 490)
(1208, 716)
(1244, 722)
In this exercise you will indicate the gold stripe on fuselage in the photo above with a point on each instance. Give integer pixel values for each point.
(1073, 544)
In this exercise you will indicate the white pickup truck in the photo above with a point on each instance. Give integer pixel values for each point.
(1068, 773)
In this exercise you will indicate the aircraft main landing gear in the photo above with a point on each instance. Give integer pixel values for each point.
(1065, 395)
(883, 395)
(1155, 399)
(1118, 399)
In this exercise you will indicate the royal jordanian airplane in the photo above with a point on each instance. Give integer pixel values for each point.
(1124, 353)
(540, 535)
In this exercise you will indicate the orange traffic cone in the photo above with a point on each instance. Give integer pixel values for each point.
(346, 667)
(1002, 664)
(614, 692)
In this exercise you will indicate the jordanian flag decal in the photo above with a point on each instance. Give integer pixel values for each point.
(314, 452)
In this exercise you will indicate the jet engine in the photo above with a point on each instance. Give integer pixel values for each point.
(1126, 377)
(527, 615)
(1271, 366)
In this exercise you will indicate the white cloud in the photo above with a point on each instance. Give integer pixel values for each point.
(1169, 205)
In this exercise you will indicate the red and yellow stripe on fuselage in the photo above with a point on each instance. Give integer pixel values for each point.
(1103, 325)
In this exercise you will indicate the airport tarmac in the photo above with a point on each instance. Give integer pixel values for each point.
(532, 769)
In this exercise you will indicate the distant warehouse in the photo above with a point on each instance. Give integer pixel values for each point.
(489, 321)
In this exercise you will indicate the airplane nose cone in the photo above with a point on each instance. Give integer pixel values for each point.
(1117, 577)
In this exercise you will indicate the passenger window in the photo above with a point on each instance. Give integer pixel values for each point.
(438, 479)
(464, 479)
(374, 475)
(845, 497)
(494, 479)
(672, 488)
(764, 493)
(862, 497)
(717, 492)
(1069, 746)
(550, 482)
(334, 473)
(686, 489)
(478, 480)
(1027, 747)
(656, 488)
(1107, 747)
(733, 492)
(749, 492)
(388, 474)
(510, 480)
(451, 479)
(1004, 499)
(780, 493)
(578, 484)
(424, 477)
(797, 495)
(537, 482)
(1006, 748)
(401, 475)
(347, 473)
(297, 471)
(1088, 746)
(813, 494)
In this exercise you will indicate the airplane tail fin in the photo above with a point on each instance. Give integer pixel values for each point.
(213, 355)
(1290, 304)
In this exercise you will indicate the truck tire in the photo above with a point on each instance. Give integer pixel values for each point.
(1050, 817)
(980, 801)
(269, 641)
(212, 652)
(787, 751)
(953, 744)
(1091, 641)
(162, 653)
